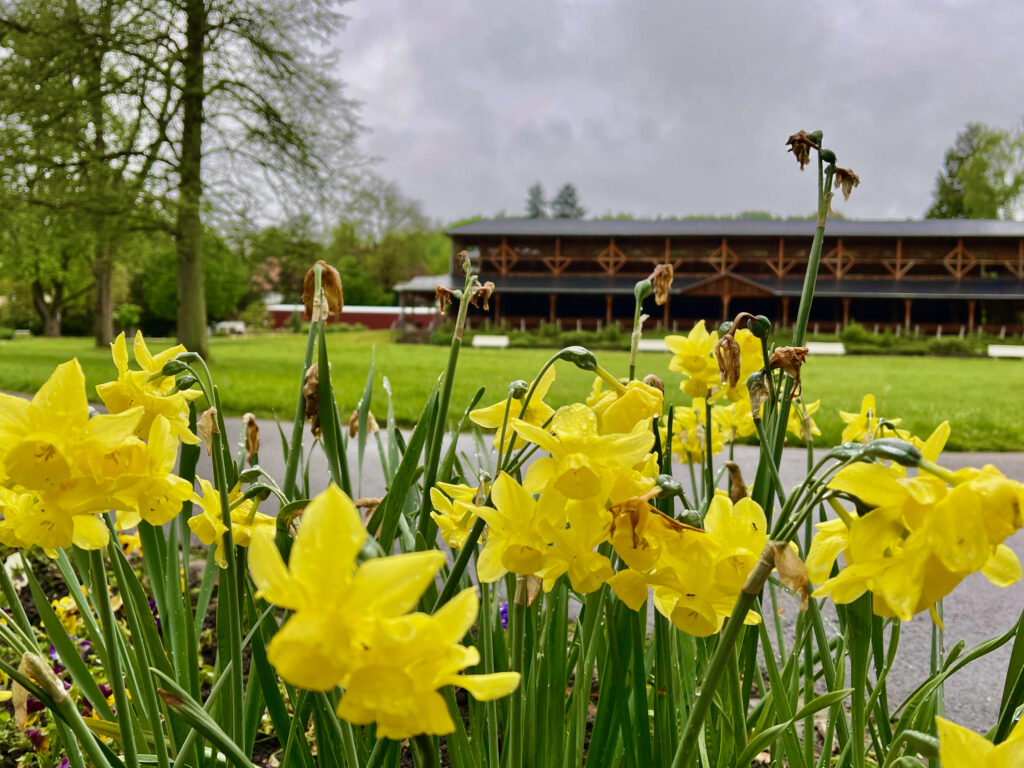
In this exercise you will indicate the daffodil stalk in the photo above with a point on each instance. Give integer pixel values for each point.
(437, 433)
(641, 291)
(291, 470)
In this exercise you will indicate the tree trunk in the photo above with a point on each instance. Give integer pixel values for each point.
(103, 274)
(49, 311)
(189, 229)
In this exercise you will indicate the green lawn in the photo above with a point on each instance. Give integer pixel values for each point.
(981, 398)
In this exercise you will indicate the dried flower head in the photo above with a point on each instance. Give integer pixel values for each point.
(727, 353)
(333, 299)
(661, 282)
(737, 488)
(353, 424)
(482, 293)
(759, 392)
(847, 181)
(311, 396)
(789, 360)
(252, 437)
(207, 427)
(654, 381)
(800, 144)
(445, 296)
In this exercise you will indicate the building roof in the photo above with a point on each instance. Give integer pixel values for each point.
(997, 288)
(735, 228)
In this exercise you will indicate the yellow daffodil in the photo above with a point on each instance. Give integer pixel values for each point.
(866, 425)
(689, 439)
(209, 527)
(800, 422)
(734, 421)
(961, 747)
(455, 511)
(583, 463)
(350, 625)
(693, 355)
(920, 538)
(573, 545)
(135, 388)
(46, 520)
(616, 413)
(44, 442)
(131, 543)
(516, 528)
(537, 412)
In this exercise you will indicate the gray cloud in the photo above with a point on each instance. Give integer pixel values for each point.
(674, 107)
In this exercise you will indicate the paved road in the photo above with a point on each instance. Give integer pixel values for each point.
(975, 612)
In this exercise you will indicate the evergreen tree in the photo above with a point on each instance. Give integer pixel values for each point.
(566, 204)
(536, 205)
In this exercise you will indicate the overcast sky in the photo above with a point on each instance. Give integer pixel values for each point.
(674, 107)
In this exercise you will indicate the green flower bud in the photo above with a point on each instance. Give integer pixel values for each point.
(828, 156)
(816, 137)
(173, 367)
(517, 389)
(581, 357)
(690, 517)
(760, 326)
(183, 383)
(669, 486)
(251, 474)
(642, 289)
(894, 449)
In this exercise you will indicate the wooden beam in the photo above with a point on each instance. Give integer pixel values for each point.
(970, 315)
(959, 261)
(611, 258)
(906, 314)
(608, 309)
(726, 299)
(846, 312)
(557, 264)
(785, 311)
(780, 265)
(552, 307)
(497, 308)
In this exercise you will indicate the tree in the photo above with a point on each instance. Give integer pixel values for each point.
(982, 176)
(536, 205)
(253, 89)
(281, 256)
(566, 204)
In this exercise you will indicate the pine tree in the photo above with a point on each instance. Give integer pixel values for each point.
(536, 205)
(566, 204)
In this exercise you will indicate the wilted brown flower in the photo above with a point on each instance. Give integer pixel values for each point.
(800, 144)
(444, 296)
(207, 428)
(661, 282)
(482, 293)
(789, 360)
(737, 488)
(759, 393)
(252, 436)
(353, 424)
(847, 181)
(727, 353)
(792, 571)
(654, 381)
(311, 396)
(333, 299)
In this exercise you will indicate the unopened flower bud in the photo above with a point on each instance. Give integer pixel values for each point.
(894, 449)
(691, 517)
(183, 383)
(581, 357)
(760, 326)
(252, 437)
(727, 353)
(669, 487)
(517, 389)
(828, 156)
(173, 367)
(642, 289)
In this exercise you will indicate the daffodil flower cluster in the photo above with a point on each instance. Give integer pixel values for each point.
(693, 355)
(59, 467)
(695, 574)
(920, 536)
(351, 625)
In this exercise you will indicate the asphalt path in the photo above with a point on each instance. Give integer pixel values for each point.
(973, 613)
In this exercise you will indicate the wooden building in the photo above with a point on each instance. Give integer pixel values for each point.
(892, 273)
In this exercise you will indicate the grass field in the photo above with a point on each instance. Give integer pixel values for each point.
(981, 398)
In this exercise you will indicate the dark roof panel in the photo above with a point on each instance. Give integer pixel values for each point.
(735, 228)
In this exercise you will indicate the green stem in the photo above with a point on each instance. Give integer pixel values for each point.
(101, 600)
(518, 630)
(291, 471)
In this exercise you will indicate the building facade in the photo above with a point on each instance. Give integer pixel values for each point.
(906, 274)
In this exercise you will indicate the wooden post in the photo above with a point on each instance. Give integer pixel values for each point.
(846, 312)
(665, 312)
(608, 309)
(726, 298)
(970, 315)
(785, 311)
(552, 302)
(497, 309)
(906, 314)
